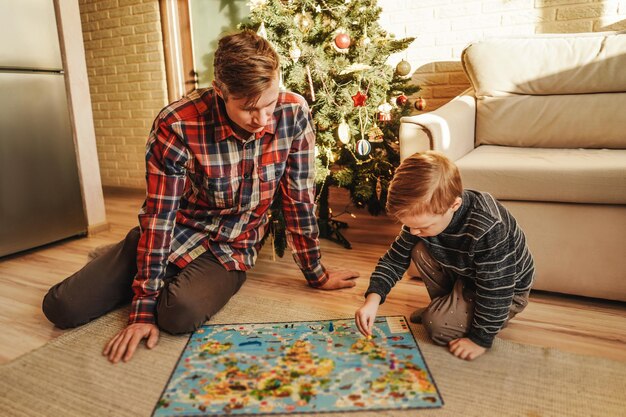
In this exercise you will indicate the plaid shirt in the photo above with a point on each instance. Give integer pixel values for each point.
(209, 189)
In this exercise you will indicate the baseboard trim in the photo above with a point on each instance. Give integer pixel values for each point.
(98, 228)
(122, 191)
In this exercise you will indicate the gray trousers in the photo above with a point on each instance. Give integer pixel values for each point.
(451, 310)
(190, 296)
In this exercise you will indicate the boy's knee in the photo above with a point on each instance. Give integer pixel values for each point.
(439, 329)
(433, 327)
(60, 311)
(180, 317)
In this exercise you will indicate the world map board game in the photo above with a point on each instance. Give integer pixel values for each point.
(299, 367)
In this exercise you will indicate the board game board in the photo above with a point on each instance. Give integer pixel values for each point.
(298, 367)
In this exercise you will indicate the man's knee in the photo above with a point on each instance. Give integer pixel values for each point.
(180, 317)
(60, 311)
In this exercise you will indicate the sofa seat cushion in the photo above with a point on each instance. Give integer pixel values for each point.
(553, 121)
(540, 174)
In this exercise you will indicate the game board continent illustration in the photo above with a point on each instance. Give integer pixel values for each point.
(298, 367)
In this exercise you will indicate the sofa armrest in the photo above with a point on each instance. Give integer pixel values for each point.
(449, 129)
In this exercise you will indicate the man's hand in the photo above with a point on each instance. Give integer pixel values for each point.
(365, 316)
(124, 344)
(339, 278)
(464, 348)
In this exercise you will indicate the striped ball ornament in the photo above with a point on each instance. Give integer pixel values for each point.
(363, 147)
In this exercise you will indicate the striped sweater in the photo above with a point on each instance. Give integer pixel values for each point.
(482, 243)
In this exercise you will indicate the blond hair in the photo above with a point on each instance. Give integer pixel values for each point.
(425, 182)
(245, 65)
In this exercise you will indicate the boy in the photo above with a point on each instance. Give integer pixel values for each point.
(469, 250)
(214, 161)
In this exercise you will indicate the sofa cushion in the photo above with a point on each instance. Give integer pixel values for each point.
(553, 175)
(550, 90)
(577, 121)
(578, 63)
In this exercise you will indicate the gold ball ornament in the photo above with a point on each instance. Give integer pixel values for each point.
(403, 68)
(303, 21)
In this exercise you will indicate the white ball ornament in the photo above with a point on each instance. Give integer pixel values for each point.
(343, 131)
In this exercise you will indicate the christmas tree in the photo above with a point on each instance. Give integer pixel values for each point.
(334, 53)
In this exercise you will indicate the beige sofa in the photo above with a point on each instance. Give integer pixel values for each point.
(543, 129)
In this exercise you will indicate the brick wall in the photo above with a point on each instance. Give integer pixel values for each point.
(444, 27)
(125, 64)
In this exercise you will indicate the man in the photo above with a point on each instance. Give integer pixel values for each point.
(214, 161)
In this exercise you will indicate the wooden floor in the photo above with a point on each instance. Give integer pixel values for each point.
(575, 324)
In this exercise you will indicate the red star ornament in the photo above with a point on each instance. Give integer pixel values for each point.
(359, 99)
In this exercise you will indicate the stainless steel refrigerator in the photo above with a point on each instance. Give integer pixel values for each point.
(40, 194)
